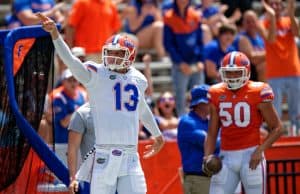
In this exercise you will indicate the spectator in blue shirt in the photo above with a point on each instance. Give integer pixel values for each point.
(192, 131)
(216, 50)
(65, 102)
(212, 15)
(183, 41)
(23, 12)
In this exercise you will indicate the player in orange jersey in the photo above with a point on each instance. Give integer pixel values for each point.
(238, 108)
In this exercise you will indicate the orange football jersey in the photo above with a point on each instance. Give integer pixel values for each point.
(240, 119)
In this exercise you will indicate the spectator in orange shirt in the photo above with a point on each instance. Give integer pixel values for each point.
(282, 59)
(95, 19)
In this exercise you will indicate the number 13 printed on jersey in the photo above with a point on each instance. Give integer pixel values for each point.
(132, 102)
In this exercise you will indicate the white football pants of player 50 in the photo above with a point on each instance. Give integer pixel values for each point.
(113, 167)
(236, 168)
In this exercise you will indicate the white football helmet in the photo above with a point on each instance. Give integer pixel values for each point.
(115, 60)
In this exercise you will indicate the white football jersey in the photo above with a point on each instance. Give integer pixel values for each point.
(115, 98)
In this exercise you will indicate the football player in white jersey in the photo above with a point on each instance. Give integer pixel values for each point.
(116, 92)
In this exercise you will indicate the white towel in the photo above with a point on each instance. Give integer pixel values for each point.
(85, 171)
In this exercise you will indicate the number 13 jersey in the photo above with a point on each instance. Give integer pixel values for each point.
(116, 99)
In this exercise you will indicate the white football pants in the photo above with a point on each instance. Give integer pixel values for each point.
(117, 168)
(236, 168)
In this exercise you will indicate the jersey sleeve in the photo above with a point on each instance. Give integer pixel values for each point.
(266, 93)
(147, 118)
(76, 123)
(142, 82)
(212, 96)
(143, 85)
(95, 70)
(80, 72)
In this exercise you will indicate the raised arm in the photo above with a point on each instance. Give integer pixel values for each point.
(268, 34)
(294, 22)
(256, 57)
(81, 73)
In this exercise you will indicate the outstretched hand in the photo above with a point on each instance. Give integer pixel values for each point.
(153, 149)
(48, 25)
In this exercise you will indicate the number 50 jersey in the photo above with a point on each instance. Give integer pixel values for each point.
(239, 116)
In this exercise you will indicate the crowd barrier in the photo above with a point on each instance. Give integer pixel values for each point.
(162, 171)
(163, 178)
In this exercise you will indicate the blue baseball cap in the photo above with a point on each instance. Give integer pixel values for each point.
(199, 95)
